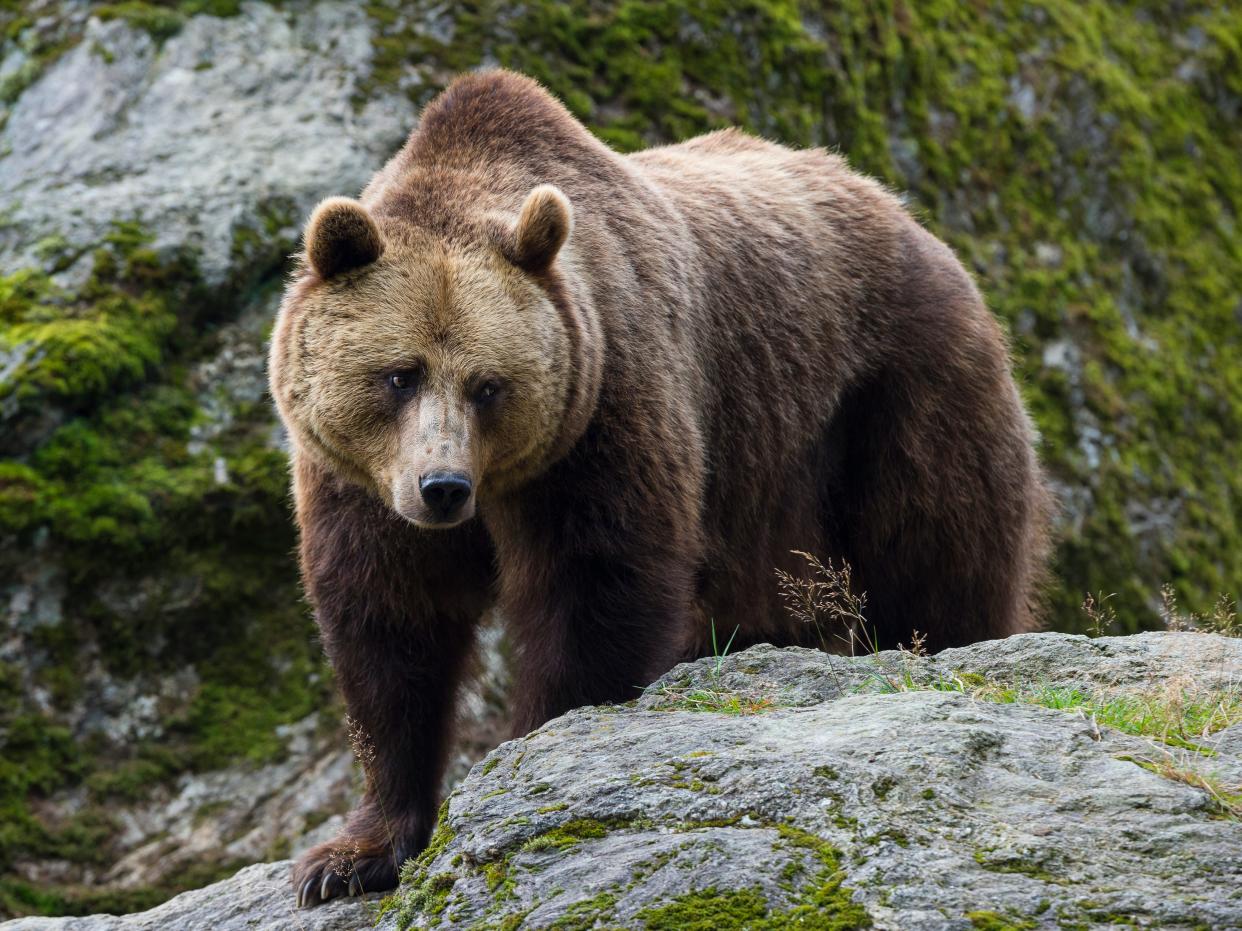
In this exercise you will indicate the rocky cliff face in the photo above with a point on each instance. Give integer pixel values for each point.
(1045, 781)
(165, 714)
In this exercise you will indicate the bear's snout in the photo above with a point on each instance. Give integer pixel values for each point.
(447, 495)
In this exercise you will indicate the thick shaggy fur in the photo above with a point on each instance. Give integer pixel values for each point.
(708, 354)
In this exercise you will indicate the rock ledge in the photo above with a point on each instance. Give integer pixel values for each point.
(978, 788)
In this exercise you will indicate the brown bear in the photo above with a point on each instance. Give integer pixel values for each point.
(609, 395)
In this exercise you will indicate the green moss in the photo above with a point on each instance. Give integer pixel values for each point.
(166, 566)
(37, 757)
(428, 896)
(442, 837)
(882, 786)
(567, 835)
(993, 921)
(164, 20)
(828, 904)
(709, 910)
(159, 21)
(898, 837)
(72, 350)
(823, 903)
(1018, 865)
(587, 914)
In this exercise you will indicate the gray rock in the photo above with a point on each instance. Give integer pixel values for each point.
(936, 805)
(232, 123)
(878, 789)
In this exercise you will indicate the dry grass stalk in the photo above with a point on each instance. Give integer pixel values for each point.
(1222, 619)
(1100, 613)
(825, 599)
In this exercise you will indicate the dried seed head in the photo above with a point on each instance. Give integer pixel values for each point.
(341, 861)
(360, 742)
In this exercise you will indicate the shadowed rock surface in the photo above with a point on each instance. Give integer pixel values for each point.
(889, 791)
(256, 899)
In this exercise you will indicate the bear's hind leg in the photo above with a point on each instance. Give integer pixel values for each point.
(940, 513)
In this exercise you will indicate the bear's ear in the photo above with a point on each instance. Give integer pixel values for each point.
(542, 228)
(341, 236)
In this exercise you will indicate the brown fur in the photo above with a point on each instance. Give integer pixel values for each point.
(709, 355)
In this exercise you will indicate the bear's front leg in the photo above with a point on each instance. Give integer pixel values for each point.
(397, 609)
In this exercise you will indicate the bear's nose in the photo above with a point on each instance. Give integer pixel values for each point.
(445, 492)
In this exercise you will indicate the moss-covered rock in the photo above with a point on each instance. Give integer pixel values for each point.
(172, 558)
(893, 791)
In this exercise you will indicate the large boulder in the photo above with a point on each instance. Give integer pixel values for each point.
(228, 130)
(979, 788)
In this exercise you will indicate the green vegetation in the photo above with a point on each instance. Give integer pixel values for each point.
(169, 561)
(1224, 801)
(822, 904)
(1174, 714)
(713, 701)
(1015, 864)
(709, 909)
(818, 900)
(567, 835)
(992, 921)
(161, 19)
(584, 915)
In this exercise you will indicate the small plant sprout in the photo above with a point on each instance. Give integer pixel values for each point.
(364, 752)
(1185, 768)
(715, 700)
(918, 645)
(1172, 618)
(342, 860)
(720, 657)
(362, 745)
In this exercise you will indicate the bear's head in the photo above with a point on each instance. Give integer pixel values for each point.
(432, 371)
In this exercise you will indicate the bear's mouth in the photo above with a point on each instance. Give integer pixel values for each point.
(438, 499)
(425, 524)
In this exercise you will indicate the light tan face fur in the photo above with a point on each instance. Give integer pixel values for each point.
(452, 325)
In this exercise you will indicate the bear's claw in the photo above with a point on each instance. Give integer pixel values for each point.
(316, 879)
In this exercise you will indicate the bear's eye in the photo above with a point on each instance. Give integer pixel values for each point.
(487, 391)
(403, 382)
